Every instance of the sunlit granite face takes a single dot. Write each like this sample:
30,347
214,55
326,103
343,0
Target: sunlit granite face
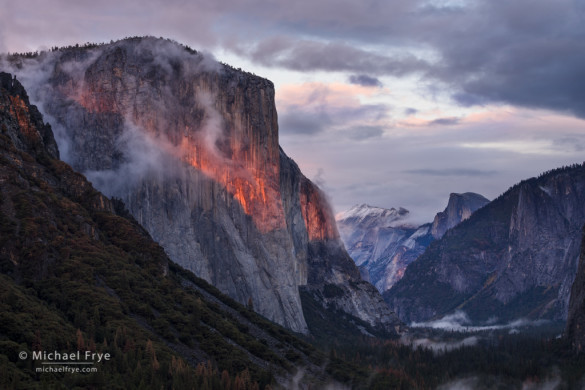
191,147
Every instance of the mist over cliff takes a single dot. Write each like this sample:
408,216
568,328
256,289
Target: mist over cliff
191,147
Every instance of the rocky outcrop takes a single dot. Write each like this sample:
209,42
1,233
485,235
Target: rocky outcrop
23,122
37,191
515,257
459,208
383,243
576,318
191,147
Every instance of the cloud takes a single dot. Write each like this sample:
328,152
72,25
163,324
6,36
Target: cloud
307,55
462,384
553,383
140,153
356,122
297,120
324,93
577,144
440,346
417,167
527,53
319,179
412,120
410,111
451,172
2,24
539,147
365,80
143,156
474,383
314,108
360,133
445,121
478,53
460,322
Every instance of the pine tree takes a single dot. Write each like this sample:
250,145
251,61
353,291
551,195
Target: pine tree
80,341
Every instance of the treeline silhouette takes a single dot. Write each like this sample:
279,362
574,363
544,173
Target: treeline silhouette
93,45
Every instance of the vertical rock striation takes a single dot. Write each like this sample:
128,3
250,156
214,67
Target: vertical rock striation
516,257
459,208
576,318
191,147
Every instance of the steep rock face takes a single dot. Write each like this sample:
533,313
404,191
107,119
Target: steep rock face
576,317
22,122
515,257
382,242
191,147
311,225
75,265
459,208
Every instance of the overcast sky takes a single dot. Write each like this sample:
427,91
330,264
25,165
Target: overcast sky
386,102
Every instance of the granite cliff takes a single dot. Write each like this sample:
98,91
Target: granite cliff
78,273
516,257
191,147
459,208
576,317
382,242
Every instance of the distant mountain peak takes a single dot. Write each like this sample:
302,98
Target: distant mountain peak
459,208
364,214
383,242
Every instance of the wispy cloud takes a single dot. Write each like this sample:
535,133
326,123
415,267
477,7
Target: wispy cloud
538,147
440,346
451,172
365,80
299,120
312,55
313,108
445,121
360,133
460,322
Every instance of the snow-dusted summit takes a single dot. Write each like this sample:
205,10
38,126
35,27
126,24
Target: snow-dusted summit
383,242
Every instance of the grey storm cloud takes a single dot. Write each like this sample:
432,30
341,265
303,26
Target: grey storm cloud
314,119
305,55
298,121
527,53
365,80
